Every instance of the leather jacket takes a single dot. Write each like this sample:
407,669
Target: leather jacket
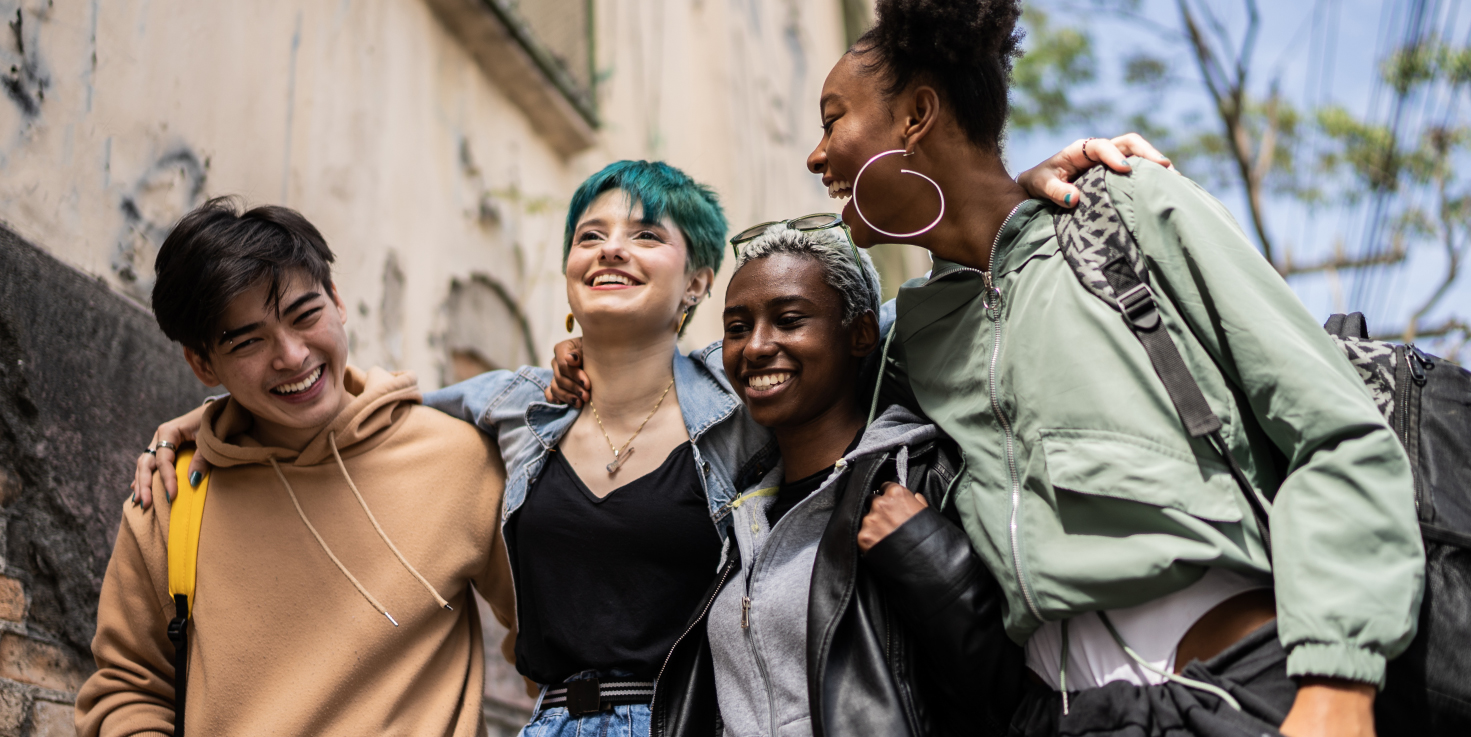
905,640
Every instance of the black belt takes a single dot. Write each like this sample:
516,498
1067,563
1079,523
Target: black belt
591,695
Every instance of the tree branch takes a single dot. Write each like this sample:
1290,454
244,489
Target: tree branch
1230,98
1448,239
1341,262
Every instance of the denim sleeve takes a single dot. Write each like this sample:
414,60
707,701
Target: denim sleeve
469,399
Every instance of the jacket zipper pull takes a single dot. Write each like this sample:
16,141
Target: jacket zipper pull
990,295
745,612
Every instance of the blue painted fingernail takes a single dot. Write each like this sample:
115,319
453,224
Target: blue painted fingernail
194,479
1067,199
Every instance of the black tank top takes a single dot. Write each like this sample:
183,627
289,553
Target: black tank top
609,584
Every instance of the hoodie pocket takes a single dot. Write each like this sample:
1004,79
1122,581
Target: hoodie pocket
1122,466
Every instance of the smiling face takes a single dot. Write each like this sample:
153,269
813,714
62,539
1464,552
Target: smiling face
858,122
624,274
285,367
786,350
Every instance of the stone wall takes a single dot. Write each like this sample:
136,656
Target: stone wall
85,376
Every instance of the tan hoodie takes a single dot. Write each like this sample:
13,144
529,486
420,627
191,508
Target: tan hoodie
282,640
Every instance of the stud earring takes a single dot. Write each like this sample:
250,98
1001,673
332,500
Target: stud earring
570,322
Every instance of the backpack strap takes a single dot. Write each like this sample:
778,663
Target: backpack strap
186,515
1107,260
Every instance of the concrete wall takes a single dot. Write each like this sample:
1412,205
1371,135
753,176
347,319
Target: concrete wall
84,377
442,190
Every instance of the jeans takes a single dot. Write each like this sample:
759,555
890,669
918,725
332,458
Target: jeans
624,720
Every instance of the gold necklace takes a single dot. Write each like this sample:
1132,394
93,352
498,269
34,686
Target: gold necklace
621,454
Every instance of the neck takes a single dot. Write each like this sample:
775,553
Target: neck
273,435
981,196
811,446
628,375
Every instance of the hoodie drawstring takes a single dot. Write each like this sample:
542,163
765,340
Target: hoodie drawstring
1182,680
332,439
1062,668
901,464
327,550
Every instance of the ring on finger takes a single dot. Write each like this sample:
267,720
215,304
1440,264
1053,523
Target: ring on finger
1085,148
166,444
150,451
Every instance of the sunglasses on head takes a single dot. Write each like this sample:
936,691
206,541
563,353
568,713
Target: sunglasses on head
817,221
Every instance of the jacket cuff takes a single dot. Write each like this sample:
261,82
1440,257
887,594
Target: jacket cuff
1327,660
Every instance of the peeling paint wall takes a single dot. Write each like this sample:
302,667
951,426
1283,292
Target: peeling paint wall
370,118
443,202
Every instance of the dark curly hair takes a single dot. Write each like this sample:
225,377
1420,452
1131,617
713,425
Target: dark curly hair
965,48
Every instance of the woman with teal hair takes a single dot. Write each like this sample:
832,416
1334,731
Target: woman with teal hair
615,518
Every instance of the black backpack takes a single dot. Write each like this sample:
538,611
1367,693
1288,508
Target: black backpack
1427,402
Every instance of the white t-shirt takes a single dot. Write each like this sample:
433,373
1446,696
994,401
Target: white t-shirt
1153,629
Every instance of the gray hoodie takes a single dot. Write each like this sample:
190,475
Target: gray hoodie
758,624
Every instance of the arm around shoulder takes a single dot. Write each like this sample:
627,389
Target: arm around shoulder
132,691
468,400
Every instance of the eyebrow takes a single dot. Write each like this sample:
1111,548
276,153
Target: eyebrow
829,97
234,333
785,299
230,335
303,299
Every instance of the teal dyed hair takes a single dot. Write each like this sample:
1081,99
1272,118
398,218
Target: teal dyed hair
662,190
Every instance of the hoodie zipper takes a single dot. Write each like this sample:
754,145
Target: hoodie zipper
992,302
750,636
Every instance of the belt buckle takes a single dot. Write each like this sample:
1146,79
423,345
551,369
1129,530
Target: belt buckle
584,697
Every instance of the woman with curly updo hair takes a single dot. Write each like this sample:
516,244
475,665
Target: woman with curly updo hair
1183,544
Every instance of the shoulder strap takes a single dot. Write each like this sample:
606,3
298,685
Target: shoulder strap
1107,260
186,515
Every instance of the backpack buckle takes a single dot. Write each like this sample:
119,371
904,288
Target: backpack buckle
176,630
1139,307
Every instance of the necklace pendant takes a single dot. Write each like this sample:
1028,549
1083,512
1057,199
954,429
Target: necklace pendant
618,459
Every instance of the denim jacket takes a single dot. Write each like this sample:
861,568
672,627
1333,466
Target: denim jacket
730,449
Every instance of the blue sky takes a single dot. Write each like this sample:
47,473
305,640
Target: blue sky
1316,51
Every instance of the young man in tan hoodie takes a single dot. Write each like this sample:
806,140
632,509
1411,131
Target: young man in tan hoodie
344,524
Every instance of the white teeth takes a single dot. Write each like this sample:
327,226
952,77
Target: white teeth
299,386
839,190
766,381
602,279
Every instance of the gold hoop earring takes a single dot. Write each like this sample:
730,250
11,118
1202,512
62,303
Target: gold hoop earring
570,322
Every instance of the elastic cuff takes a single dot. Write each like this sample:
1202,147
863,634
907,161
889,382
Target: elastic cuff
1336,661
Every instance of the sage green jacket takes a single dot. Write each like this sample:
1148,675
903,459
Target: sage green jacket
1083,490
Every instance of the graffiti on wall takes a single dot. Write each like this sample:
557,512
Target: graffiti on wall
166,191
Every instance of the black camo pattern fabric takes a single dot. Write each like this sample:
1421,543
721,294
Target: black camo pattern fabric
1375,361
1090,233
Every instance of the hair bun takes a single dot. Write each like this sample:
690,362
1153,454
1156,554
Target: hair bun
949,31
965,47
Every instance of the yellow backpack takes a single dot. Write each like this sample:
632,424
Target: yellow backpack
186,515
